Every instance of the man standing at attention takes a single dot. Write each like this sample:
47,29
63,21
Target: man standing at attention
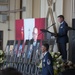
47,63
62,37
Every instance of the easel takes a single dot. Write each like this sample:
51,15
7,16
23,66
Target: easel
50,12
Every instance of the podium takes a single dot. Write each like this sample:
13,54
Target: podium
50,38
72,42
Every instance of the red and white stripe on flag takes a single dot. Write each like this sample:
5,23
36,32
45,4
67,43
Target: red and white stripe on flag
29,24
19,29
24,28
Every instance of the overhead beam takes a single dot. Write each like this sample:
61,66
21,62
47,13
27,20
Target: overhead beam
13,11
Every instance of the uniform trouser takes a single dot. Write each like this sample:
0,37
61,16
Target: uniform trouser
63,51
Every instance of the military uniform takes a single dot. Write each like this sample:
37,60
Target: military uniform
63,39
47,64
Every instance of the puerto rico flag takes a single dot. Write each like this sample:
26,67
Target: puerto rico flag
24,28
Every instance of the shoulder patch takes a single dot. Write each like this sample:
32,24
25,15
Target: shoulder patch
48,62
61,27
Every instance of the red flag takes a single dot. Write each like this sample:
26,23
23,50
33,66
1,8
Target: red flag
24,28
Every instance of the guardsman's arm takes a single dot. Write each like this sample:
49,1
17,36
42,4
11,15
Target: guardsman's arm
50,66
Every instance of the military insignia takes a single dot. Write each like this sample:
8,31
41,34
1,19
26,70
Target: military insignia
43,60
61,27
48,62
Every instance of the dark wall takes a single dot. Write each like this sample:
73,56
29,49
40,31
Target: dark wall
72,43
1,40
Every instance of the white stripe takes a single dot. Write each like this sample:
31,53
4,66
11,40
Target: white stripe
29,24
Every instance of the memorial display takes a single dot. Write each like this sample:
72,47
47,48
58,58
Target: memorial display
16,47
19,50
9,47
